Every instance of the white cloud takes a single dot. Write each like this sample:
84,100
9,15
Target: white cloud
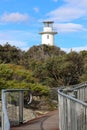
70,10
65,14
36,9
14,17
78,3
16,34
22,39
77,49
19,44
69,27
55,0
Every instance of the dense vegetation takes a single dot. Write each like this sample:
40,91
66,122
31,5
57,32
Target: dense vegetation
41,67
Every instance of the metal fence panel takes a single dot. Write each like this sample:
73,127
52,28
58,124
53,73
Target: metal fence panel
73,108
13,107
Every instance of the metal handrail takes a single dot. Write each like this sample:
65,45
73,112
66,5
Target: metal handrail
72,98
73,108
5,118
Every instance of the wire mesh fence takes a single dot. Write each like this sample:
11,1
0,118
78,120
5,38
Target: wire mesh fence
22,105
14,106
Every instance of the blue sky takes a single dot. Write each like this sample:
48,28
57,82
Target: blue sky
21,20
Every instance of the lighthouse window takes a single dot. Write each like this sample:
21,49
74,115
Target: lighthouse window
47,36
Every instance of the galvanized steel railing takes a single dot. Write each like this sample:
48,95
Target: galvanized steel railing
5,120
73,108
13,107
20,106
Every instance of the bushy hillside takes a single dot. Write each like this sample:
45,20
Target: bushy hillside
41,68
41,65
15,76
43,52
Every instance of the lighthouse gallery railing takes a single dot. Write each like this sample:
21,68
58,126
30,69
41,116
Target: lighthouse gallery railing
73,108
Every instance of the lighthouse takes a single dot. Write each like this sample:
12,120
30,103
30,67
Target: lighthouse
48,33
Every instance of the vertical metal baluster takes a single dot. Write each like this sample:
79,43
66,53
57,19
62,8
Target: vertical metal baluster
21,104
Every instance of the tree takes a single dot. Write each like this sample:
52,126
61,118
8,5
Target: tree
83,77
49,72
10,54
75,66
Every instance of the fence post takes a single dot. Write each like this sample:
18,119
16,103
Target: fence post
21,104
75,93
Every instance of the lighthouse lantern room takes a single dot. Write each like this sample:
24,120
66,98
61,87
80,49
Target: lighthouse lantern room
48,33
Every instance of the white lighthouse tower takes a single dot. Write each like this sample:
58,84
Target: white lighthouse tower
48,33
